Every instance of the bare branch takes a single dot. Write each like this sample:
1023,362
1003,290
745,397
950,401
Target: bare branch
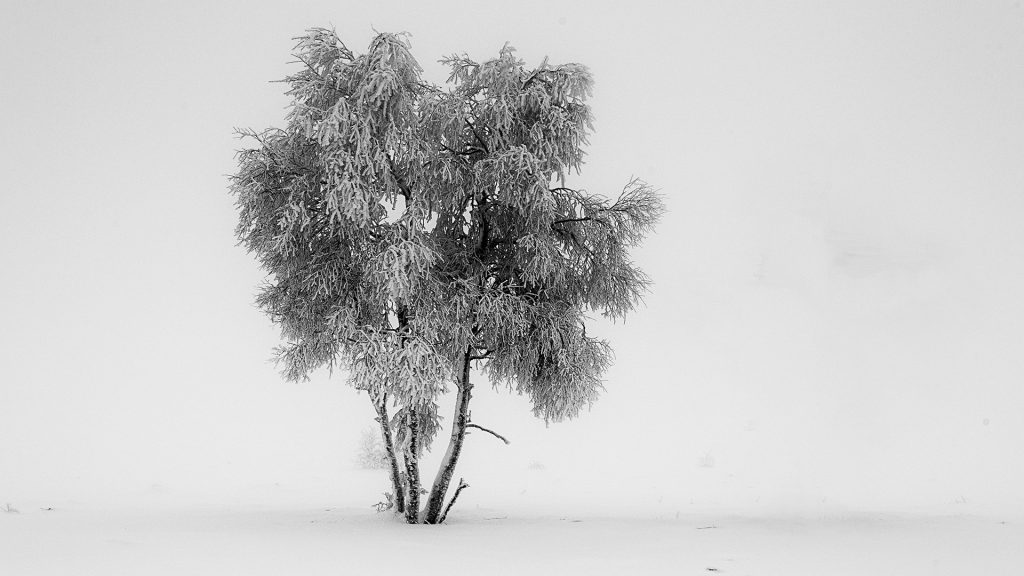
462,485
491,432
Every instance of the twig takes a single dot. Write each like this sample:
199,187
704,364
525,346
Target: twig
458,490
492,432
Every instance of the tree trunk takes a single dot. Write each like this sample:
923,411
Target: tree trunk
435,503
397,490
412,469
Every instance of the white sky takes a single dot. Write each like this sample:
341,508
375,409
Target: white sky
836,318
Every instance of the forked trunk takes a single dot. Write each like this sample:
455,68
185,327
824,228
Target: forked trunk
434,512
397,490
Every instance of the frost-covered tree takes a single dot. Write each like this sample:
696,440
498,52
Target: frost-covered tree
413,233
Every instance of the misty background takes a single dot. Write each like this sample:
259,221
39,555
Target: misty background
835,323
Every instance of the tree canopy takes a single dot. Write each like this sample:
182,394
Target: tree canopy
411,232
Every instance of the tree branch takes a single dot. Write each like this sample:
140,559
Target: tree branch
583,219
469,151
402,186
487,355
472,129
564,220
491,432
462,485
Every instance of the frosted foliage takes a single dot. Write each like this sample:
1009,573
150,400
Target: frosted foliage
428,425
488,256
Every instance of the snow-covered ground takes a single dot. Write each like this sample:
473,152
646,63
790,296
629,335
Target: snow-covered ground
288,530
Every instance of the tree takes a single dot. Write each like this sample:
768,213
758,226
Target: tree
413,234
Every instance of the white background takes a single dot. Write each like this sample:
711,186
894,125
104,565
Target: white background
835,323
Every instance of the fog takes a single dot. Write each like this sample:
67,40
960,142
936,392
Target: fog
835,324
